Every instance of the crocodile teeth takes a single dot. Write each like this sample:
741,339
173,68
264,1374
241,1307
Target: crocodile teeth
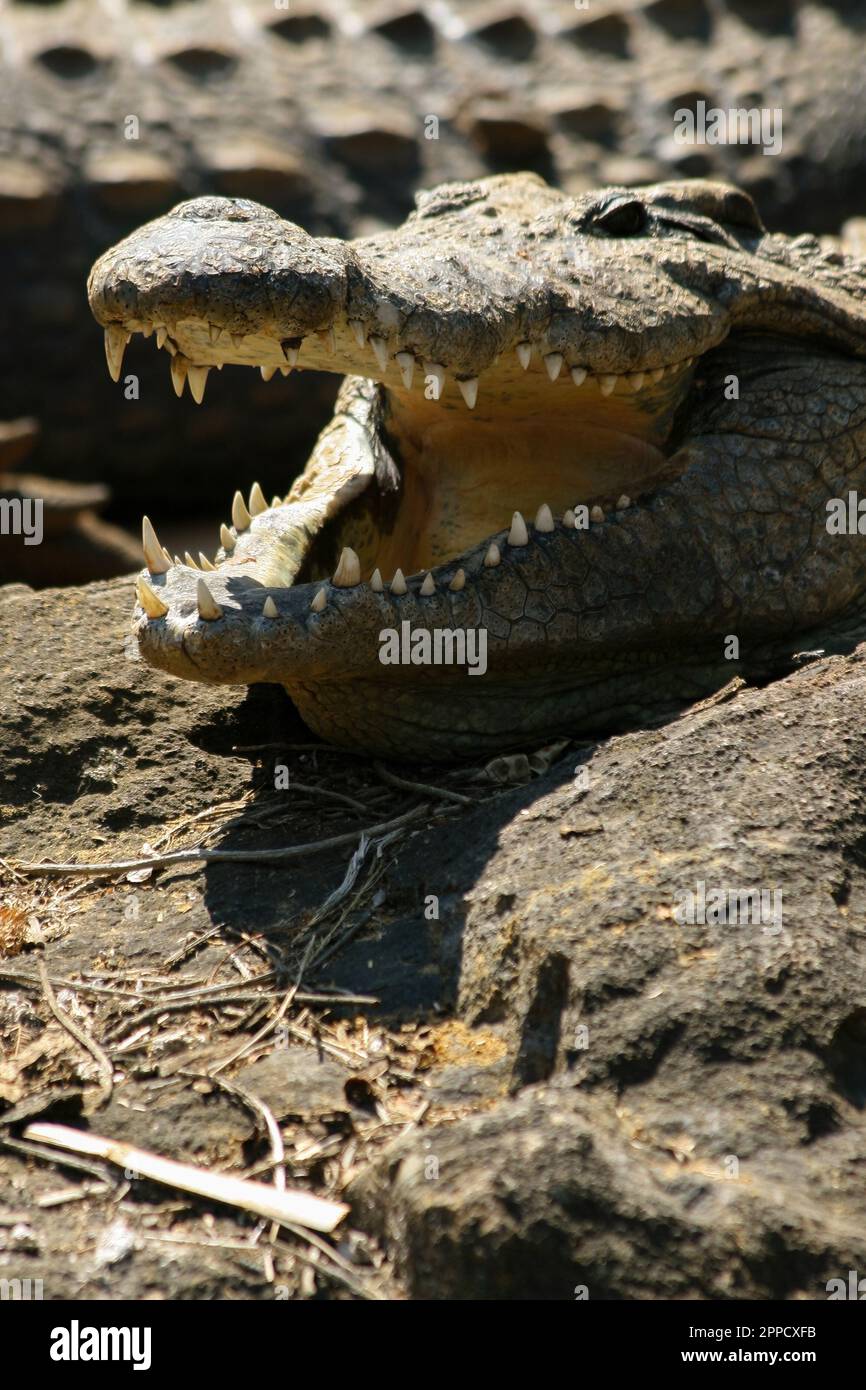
154,557
267,372
188,560
406,362
148,600
270,608
578,375
568,517
469,391
290,353
326,336
258,504
205,563
116,339
437,371
227,539
197,382
208,608
240,516
518,535
458,581
275,502
146,330
348,571
606,384
178,373
285,371
656,375
166,557
398,583
636,380
493,556
688,362
553,363
358,329
319,601
524,354
214,333
161,335
428,587
623,503
544,518
596,514
376,582
380,349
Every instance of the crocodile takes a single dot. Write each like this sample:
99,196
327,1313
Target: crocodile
604,431
112,111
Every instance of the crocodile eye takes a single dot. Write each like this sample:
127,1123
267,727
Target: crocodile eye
624,218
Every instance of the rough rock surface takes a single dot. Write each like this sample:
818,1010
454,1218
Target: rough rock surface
636,1107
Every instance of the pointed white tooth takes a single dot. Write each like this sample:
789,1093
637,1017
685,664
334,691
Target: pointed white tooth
208,608
518,535
578,375
687,362
458,581
398,583
524,354
553,363
167,557
214,333
376,582
116,338
437,371
606,384
493,556
148,600
380,348
656,375
428,587
290,353
267,372
197,382
568,517
635,380
406,362
348,571
357,328
544,518
188,560
237,339
205,563
161,335
623,503
146,330
596,514
178,560
326,336
276,502
285,371
270,608
469,391
178,373
240,516
258,503
228,540
319,601
153,553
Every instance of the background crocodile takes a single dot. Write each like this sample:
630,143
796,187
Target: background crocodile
668,394
321,111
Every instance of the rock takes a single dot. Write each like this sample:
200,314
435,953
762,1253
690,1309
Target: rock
621,1103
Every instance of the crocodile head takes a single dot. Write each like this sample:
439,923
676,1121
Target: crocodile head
601,431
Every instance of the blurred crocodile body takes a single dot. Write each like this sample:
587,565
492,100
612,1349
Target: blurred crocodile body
111,111
600,433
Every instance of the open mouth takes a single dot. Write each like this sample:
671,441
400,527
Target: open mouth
426,479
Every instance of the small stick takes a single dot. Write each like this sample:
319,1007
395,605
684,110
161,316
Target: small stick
443,793
224,856
106,1070
289,1208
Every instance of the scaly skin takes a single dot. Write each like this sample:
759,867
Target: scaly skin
321,111
601,336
